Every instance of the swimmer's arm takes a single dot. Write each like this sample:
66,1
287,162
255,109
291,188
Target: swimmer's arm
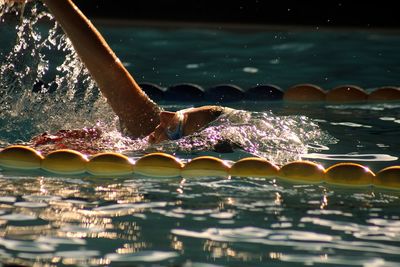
138,113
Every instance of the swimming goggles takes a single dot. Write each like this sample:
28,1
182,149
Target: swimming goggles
177,133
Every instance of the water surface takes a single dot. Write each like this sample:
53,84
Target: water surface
59,220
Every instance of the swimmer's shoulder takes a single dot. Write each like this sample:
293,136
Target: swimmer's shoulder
219,110
227,111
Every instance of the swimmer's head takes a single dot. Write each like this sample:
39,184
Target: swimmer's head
174,125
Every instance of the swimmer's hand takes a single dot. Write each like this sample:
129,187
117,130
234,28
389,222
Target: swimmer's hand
226,146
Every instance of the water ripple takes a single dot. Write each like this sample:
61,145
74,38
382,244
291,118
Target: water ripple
26,246
315,241
143,256
351,157
18,217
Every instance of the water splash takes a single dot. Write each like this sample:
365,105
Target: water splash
44,87
280,139
37,93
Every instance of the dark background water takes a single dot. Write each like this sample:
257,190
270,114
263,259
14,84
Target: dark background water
247,58
288,12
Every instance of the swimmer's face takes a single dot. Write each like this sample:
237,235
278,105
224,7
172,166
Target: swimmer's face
192,120
168,121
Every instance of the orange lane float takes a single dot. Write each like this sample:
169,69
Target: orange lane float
346,93
388,93
304,93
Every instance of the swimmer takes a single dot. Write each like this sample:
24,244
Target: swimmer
138,114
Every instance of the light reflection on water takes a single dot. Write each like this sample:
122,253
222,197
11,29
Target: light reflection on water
201,222
102,221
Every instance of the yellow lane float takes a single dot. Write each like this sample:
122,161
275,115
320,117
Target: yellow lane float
349,174
158,165
113,164
388,177
304,171
205,166
71,162
20,157
65,161
253,167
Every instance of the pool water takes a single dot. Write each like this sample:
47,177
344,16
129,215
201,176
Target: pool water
58,220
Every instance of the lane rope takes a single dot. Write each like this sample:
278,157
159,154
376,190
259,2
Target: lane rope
299,93
162,165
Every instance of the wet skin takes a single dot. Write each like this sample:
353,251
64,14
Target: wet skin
138,113
193,120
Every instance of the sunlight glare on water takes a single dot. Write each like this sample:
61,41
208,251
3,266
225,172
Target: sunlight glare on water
82,220
87,220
